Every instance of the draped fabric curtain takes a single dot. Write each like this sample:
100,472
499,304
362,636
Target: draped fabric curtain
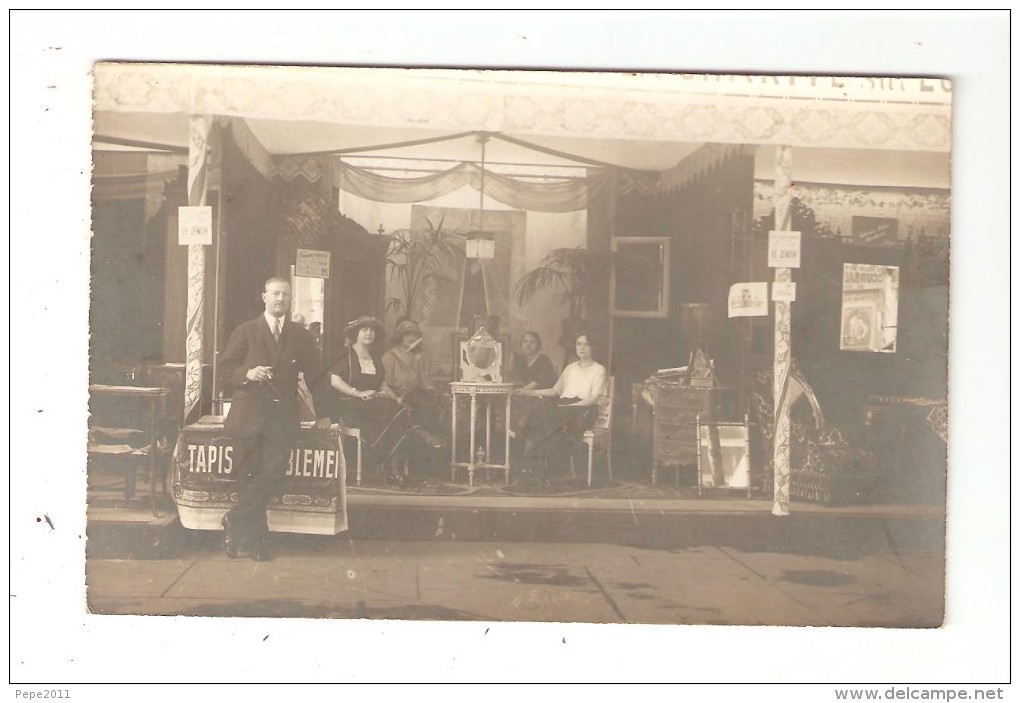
129,187
561,196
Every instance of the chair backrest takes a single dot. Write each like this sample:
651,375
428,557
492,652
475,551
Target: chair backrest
605,416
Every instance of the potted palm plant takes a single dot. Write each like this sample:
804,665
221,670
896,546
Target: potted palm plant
417,261
572,273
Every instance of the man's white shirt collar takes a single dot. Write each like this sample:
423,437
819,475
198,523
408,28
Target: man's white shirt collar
271,321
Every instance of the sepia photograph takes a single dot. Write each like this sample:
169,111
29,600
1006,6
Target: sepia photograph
470,348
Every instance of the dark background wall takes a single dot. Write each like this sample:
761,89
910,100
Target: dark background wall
701,221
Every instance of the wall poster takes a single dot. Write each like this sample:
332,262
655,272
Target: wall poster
870,302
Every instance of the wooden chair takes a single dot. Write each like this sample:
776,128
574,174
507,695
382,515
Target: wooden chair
600,436
355,432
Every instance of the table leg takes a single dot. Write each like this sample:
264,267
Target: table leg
506,451
153,463
488,434
453,438
471,456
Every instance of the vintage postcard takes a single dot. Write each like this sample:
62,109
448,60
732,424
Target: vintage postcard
457,346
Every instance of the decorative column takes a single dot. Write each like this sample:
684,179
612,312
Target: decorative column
199,128
781,353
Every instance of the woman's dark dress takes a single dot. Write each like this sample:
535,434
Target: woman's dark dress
381,420
541,373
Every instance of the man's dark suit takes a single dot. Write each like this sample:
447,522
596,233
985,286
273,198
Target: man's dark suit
264,417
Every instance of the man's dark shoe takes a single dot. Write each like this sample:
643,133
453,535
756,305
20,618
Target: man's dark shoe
231,540
260,552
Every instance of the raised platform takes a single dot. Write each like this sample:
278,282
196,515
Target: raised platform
618,513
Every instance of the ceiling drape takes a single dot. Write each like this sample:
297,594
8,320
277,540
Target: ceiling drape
562,195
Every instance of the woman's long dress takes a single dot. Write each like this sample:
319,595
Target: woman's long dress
382,421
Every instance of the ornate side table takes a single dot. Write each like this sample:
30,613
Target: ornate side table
479,456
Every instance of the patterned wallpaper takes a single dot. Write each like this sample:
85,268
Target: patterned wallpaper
452,106
918,212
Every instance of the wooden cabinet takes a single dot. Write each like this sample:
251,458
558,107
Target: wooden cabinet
675,410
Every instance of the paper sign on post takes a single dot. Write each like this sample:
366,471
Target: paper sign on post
194,224
784,250
784,291
749,299
312,263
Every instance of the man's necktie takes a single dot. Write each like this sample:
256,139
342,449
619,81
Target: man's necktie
276,330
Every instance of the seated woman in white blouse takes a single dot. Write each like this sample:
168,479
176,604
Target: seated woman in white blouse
554,428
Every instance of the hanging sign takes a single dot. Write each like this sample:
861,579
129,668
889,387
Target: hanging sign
194,224
784,291
312,263
784,250
749,299
480,249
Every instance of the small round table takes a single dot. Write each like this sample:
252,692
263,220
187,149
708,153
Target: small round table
490,391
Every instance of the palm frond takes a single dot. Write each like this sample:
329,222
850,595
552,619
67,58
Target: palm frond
541,278
569,269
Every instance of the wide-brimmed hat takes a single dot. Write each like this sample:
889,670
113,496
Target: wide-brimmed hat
405,327
352,327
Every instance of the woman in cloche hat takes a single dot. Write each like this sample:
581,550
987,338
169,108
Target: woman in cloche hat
406,375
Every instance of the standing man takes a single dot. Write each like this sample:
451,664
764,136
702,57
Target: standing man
261,364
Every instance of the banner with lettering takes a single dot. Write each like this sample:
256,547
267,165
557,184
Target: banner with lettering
312,498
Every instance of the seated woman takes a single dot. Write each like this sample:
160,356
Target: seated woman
405,374
531,368
365,401
553,429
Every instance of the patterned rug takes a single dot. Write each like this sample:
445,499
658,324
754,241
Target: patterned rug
525,486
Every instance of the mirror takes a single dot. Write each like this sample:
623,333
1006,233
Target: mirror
870,305
308,304
723,456
640,279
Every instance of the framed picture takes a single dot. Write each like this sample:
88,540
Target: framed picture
639,284
873,230
868,320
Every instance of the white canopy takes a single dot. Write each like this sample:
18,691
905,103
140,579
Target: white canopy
639,121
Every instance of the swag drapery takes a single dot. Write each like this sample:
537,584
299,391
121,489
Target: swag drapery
559,196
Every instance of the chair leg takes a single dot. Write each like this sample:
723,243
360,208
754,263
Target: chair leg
609,456
591,460
359,460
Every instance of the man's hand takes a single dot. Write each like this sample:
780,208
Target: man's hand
323,423
260,374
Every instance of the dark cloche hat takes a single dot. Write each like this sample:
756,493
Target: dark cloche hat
352,327
405,327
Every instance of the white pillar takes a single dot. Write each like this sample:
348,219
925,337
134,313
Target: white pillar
199,128
782,351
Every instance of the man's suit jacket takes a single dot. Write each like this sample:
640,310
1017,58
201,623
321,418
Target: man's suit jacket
253,404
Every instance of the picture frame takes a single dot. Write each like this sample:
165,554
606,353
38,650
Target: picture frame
724,456
639,281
